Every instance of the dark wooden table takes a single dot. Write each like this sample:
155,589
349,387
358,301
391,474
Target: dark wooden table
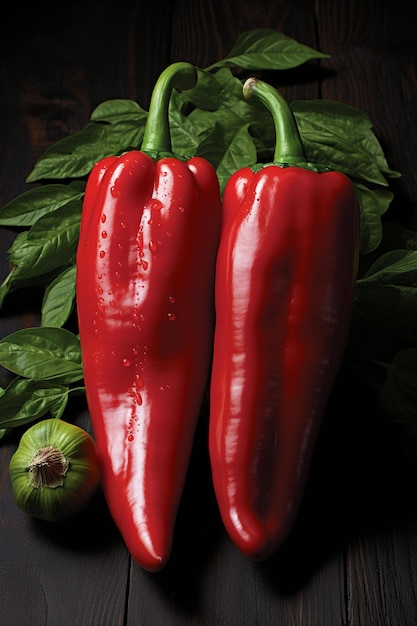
351,559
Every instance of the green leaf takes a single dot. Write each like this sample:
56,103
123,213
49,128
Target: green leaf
117,111
233,114
58,301
76,155
265,49
43,354
204,95
373,204
227,158
385,306
384,317
6,285
58,407
184,134
26,209
50,244
397,267
212,147
220,136
341,137
27,400
241,152
115,126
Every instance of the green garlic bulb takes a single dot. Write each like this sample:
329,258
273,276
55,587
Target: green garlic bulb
54,471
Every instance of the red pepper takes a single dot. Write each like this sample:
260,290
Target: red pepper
145,292
285,278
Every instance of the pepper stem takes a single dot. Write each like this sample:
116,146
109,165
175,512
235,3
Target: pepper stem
288,145
157,137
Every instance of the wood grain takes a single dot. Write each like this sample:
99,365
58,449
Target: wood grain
351,558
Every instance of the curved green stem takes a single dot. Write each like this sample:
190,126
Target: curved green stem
288,145
157,137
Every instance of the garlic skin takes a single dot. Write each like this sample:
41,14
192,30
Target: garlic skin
54,471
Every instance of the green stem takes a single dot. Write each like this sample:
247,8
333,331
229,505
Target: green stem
157,137
288,145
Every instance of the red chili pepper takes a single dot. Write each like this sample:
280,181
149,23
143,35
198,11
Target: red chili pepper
145,293
285,277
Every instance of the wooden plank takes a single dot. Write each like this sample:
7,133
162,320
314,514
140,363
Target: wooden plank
49,574
350,557
381,576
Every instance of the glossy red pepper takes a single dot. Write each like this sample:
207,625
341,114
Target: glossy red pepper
285,279
145,295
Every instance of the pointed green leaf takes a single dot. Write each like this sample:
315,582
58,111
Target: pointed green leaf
42,354
241,152
26,400
49,245
76,155
264,49
373,204
117,111
341,137
26,209
58,301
